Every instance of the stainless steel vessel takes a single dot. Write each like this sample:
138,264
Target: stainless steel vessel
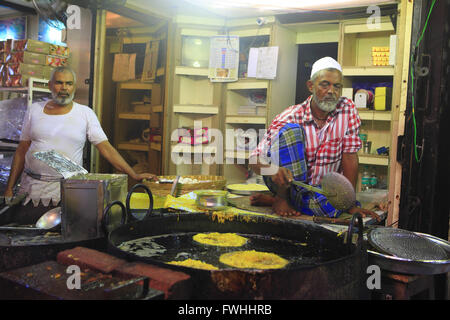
83,200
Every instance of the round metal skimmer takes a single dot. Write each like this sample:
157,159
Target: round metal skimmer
405,244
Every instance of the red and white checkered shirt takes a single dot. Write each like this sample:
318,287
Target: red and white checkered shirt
325,146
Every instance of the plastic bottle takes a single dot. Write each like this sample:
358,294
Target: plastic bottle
365,180
373,181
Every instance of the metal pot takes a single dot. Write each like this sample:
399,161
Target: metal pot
337,272
211,199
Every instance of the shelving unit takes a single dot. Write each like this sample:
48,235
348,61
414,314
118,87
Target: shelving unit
196,102
30,89
279,94
131,122
355,55
216,105
249,126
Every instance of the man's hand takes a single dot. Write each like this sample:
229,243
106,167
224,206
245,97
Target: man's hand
8,193
148,176
364,213
282,178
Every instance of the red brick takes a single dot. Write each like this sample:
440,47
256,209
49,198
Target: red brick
89,258
176,285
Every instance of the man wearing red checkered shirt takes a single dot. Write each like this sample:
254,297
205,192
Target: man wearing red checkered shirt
319,136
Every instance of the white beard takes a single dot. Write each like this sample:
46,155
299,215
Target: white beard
63,100
325,105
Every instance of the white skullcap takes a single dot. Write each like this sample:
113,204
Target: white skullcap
325,63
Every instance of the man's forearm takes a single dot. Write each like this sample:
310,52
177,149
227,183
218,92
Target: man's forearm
350,167
114,157
17,165
261,168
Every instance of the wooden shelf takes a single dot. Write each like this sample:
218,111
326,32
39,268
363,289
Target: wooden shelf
155,146
184,148
157,139
366,114
363,27
191,71
160,72
373,159
368,71
244,119
237,154
248,84
157,109
195,109
134,116
133,146
135,85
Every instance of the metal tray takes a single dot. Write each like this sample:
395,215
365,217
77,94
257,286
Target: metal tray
246,192
402,265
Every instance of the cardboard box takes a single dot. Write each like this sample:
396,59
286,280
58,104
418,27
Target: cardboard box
57,50
361,100
28,57
33,70
383,98
31,45
348,93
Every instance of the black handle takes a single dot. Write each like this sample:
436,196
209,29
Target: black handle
356,216
106,212
136,186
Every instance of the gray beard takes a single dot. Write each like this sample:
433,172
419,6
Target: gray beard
61,100
326,106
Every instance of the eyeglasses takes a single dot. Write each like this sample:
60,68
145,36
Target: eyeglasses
326,85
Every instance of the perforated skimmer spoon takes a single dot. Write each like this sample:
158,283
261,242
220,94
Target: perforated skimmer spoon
336,187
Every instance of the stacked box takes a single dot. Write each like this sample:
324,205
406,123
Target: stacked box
27,58
5,50
380,56
193,136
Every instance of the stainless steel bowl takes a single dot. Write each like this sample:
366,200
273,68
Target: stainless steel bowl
211,199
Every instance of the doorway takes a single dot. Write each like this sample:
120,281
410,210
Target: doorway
307,55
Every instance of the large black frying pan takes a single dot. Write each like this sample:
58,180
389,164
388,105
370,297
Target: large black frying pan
329,257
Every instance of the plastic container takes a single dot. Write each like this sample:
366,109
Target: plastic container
365,181
372,196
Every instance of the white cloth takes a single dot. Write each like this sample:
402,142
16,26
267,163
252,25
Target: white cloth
325,63
66,134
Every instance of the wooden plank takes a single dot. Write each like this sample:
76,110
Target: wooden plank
373,160
198,32
155,146
237,154
134,116
133,146
157,109
399,103
245,119
191,71
245,85
266,31
368,71
374,115
182,148
357,28
196,109
136,85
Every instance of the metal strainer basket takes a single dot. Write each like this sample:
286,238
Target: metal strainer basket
406,244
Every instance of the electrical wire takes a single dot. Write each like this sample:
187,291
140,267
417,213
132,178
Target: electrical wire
412,83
